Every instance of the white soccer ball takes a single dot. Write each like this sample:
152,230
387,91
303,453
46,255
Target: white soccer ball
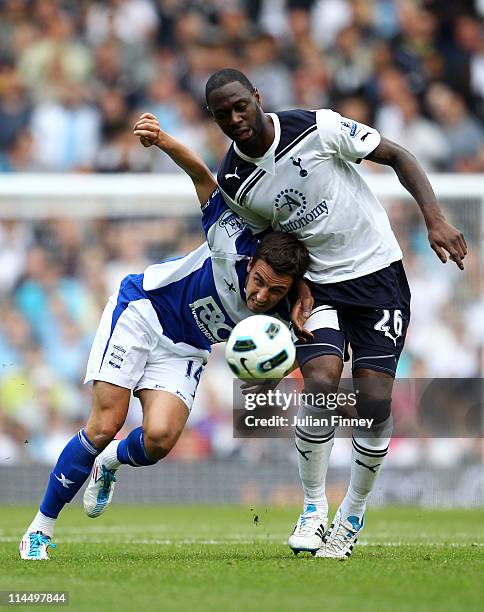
260,347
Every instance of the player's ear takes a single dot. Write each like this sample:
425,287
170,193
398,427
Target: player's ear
256,95
250,264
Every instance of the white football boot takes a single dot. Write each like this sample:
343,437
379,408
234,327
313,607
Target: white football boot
308,532
341,537
99,491
33,546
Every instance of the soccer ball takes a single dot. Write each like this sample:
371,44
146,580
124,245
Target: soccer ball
260,347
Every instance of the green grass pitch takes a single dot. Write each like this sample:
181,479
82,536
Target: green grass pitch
227,558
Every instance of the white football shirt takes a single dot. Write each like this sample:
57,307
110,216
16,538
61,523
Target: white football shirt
306,184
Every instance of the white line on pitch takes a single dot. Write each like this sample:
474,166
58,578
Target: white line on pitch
214,542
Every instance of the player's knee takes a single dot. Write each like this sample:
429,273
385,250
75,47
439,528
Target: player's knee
109,409
377,410
101,433
102,427
373,385
320,378
159,441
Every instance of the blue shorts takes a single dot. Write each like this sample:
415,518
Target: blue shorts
370,314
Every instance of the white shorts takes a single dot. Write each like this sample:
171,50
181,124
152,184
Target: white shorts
131,351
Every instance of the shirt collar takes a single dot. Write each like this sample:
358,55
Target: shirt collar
268,161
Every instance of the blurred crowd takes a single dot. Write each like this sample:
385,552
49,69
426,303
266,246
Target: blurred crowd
56,275
74,75
73,78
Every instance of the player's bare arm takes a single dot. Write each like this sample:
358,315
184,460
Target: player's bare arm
147,128
442,236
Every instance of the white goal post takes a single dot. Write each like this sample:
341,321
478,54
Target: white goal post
34,196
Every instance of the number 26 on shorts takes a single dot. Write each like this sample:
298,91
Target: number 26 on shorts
384,325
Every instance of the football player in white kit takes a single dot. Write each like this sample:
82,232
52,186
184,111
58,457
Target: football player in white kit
154,339
294,171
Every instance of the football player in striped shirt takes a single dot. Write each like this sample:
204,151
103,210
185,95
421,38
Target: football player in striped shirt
295,171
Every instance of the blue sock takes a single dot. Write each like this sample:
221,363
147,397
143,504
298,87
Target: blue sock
69,474
131,450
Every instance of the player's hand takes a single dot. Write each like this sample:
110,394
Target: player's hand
148,130
301,310
444,238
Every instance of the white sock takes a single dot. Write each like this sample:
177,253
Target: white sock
314,444
42,523
110,455
369,452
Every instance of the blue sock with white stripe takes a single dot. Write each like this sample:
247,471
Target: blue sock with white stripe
131,450
69,474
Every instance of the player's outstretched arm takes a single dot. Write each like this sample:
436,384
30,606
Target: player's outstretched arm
442,236
150,134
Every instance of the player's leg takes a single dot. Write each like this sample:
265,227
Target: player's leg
369,449
377,337
116,362
165,413
110,404
376,311
164,417
321,363
313,445
370,444
109,409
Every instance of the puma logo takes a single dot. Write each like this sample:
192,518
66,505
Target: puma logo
372,468
234,175
303,453
365,136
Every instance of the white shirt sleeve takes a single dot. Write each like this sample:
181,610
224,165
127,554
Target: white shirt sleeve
344,137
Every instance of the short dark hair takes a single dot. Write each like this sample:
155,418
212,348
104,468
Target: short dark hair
225,76
284,253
